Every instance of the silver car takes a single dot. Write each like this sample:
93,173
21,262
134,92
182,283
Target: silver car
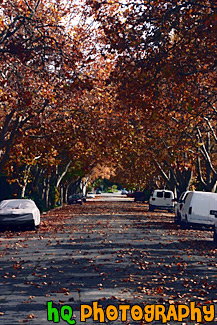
19,212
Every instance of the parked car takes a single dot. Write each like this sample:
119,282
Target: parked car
98,191
162,199
130,194
179,205
124,192
200,209
90,195
76,199
19,212
140,196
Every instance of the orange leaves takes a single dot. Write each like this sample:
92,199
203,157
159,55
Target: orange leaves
169,77
31,316
159,290
108,92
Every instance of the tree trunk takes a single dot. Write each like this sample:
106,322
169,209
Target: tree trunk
47,192
66,190
61,195
177,180
60,177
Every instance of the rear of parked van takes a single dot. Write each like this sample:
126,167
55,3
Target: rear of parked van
162,199
200,209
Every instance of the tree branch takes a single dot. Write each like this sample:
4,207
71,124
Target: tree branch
204,152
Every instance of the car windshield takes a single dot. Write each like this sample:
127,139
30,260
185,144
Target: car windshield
186,197
15,204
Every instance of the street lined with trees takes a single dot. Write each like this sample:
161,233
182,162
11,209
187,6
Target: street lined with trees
111,252
129,87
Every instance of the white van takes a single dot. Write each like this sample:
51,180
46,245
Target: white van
200,209
162,199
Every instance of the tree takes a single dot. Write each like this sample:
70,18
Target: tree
165,71
39,60
207,174
130,86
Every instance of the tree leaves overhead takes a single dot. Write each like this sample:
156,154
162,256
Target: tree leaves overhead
116,83
165,70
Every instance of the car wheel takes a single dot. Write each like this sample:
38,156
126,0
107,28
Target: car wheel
177,220
31,227
151,209
183,225
186,222
215,236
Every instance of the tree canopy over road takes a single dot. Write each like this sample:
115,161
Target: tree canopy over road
129,87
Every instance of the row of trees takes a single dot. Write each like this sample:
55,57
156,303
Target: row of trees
48,89
165,78
107,89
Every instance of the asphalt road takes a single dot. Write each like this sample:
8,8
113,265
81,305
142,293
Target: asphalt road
108,252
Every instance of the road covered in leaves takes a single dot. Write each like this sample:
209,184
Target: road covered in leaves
111,252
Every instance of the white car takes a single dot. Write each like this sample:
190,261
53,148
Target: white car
162,199
19,212
91,195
